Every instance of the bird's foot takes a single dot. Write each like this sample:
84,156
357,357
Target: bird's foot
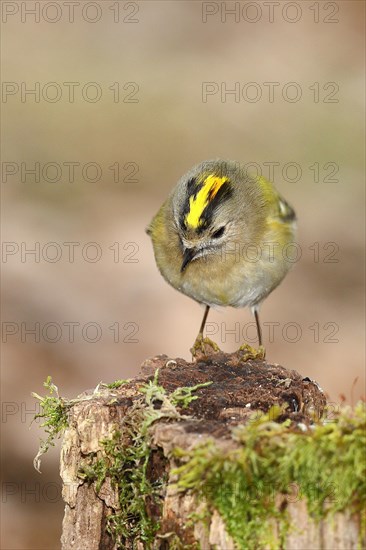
252,353
203,346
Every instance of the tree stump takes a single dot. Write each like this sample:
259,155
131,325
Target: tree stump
145,464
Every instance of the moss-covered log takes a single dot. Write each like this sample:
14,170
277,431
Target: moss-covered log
219,453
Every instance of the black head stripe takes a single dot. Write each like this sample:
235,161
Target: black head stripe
191,190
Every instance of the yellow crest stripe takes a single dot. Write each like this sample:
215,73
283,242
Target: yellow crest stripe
198,202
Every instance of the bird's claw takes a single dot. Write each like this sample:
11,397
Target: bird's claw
203,346
252,353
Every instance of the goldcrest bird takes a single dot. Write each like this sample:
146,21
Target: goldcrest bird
221,238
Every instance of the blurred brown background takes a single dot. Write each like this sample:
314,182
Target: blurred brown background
158,55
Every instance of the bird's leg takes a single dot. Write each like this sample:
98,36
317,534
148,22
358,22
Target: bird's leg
249,351
203,324
259,328
199,344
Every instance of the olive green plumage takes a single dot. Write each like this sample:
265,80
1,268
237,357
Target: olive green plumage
222,236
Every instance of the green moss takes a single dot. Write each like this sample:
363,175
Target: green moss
324,464
115,385
175,542
125,460
125,467
54,411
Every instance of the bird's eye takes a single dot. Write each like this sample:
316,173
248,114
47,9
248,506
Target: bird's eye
219,233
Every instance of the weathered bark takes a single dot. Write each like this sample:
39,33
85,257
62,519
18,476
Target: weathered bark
238,389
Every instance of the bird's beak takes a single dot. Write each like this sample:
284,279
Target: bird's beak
188,255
